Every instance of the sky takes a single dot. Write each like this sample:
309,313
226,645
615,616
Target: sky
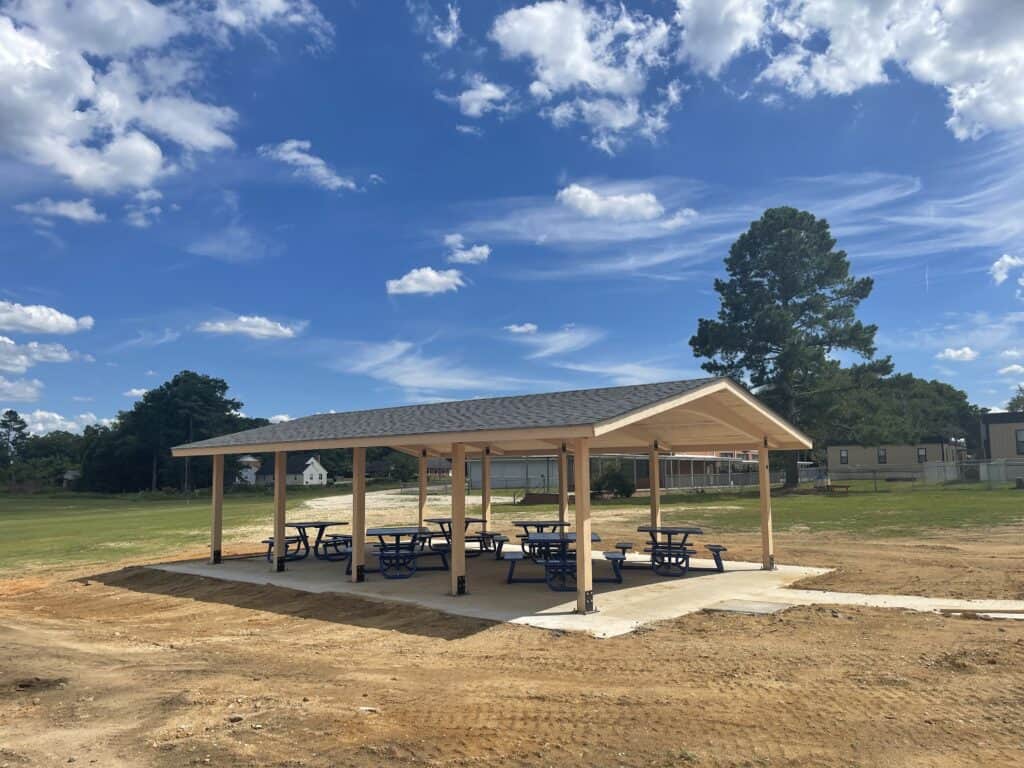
344,205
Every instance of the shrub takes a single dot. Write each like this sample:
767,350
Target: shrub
615,482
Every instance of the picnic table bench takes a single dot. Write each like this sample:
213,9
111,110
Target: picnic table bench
554,553
484,540
836,490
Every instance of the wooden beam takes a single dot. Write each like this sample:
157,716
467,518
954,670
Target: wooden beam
563,481
457,561
492,436
280,500
654,473
482,447
422,477
584,561
724,415
217,521
358,514
765,489
485,487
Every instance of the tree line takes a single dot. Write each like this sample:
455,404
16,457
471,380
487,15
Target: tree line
788,308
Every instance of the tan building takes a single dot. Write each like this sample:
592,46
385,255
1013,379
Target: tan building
890,455
1003,435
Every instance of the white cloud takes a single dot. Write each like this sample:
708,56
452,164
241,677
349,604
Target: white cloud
20,390
279,418
642,206
234,244
959,355
18,358
972,50
713,33
36,318
253,326
143,209
147,339
569,338
481,97
295,152
80,211
446,34
521,328
681,218
426,280
1012,370
1012,354
1001,267
624,374
43,422
590,64
469,130
101,93
402,364
460,254
136,392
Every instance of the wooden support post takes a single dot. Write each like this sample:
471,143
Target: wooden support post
358,514
485,487
654,472
280,500
765,488
217,521
584,562
423,486
563,482
457,561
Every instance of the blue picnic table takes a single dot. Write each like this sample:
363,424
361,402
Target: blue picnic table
320,526
670,554
554,552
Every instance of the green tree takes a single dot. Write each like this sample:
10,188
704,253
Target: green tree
1017,401
789,302
135,453
13,434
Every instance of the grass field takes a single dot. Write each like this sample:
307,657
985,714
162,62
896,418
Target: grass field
70,528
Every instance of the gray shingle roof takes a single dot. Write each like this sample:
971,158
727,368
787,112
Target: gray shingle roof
553,409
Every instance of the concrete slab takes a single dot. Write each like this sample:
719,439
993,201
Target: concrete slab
752,607
622,608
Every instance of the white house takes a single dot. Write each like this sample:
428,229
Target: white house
300,470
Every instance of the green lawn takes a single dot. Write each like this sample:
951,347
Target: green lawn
897,509
66,528
70,528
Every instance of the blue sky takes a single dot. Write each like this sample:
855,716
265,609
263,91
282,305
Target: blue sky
349,205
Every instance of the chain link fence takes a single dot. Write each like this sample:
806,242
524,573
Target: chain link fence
995,473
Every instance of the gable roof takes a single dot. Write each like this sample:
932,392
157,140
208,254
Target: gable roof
523,420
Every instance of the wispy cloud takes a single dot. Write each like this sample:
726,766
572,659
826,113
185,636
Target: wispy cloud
404,364
146,339
297,154
569,338
622,374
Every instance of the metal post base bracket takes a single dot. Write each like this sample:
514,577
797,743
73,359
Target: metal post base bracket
588,602
216,557
460,586
280,564
360,573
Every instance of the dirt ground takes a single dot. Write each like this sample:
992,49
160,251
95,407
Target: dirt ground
125,666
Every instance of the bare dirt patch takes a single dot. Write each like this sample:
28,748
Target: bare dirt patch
143,668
